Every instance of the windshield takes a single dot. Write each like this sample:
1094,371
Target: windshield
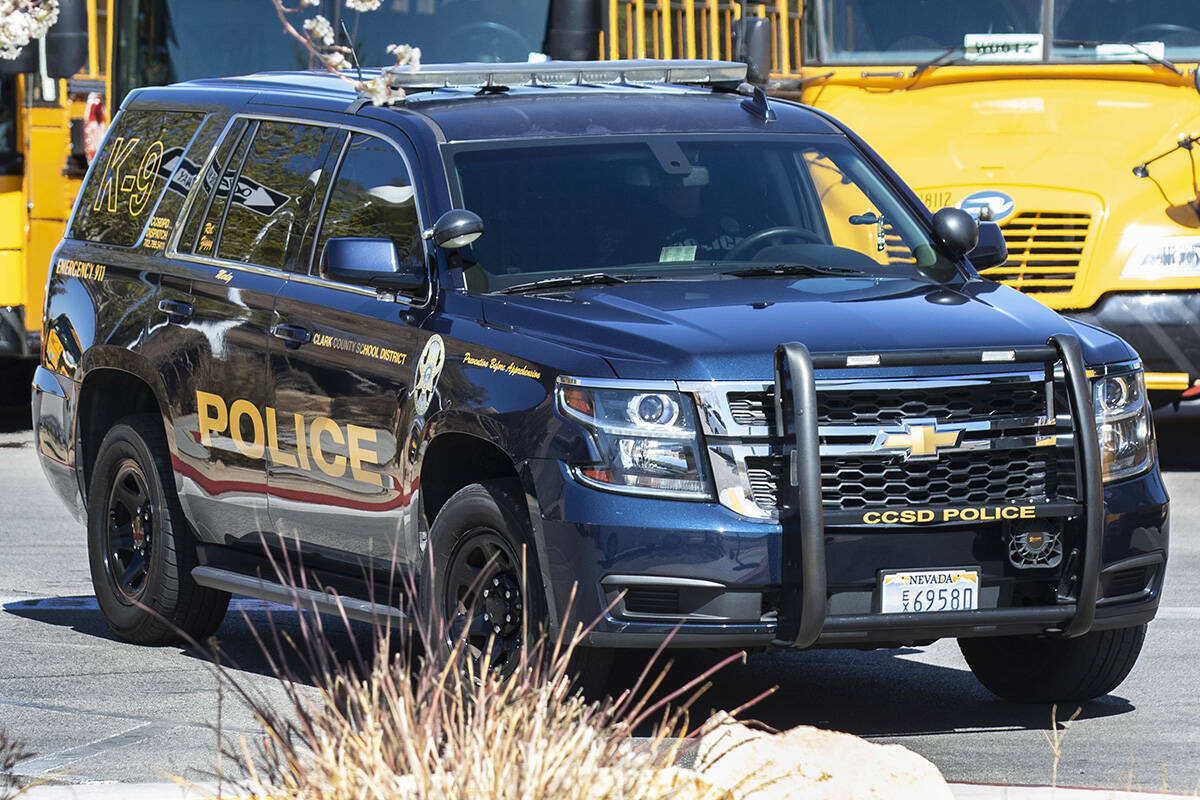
666,206
165,41
959,31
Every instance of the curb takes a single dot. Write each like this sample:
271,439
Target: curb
173,791
992,791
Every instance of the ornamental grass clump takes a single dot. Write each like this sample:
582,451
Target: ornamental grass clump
422,720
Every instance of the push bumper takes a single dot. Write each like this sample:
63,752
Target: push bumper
1164,328
645,571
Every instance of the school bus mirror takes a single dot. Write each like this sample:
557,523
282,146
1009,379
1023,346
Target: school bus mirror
67,41
752,45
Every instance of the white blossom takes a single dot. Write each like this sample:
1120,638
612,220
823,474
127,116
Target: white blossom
21,21
363,5
406,54
335,60
319,29
309,3
380,92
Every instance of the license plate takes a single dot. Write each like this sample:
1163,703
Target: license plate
929,591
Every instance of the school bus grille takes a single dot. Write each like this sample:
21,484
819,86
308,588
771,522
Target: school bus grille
1044,251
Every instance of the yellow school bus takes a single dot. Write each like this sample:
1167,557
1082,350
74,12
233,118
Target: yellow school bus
55,99
1068,122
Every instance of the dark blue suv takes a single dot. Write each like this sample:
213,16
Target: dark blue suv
625,341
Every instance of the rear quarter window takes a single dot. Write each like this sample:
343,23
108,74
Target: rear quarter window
140,157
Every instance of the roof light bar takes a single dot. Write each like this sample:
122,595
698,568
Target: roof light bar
559,73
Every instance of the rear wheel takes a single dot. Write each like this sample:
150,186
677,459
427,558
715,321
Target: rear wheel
140,549
1040,669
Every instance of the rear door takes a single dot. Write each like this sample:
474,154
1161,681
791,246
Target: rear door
341,366
214,315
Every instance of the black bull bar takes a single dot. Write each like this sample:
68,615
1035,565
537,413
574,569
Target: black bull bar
802,607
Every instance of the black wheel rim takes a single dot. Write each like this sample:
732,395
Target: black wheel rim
130,524
485,601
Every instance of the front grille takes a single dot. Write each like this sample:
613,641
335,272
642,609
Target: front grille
1044,251
945,403
968,478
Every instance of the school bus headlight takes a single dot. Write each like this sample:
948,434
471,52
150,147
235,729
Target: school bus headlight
1123,424
646,441
1165,257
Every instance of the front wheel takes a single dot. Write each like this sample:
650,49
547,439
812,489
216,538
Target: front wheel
140,549
1041,669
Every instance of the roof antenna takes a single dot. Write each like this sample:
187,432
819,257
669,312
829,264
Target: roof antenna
350,45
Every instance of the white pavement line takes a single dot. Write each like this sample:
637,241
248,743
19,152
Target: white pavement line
122,791
987,791
1178,612
46,766
88,603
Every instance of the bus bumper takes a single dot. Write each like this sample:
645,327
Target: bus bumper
1164,328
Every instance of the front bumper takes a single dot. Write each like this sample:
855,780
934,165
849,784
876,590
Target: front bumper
1164,328
723,571
700,575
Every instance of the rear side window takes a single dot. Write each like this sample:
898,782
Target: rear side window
373,196
269,193
140,157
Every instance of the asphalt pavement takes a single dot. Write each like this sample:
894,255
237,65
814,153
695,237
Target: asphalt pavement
95,710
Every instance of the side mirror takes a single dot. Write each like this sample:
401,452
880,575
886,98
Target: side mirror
371,262
456,228
957,231
991,250
67,41
752,45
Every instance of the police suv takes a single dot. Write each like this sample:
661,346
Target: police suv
614,341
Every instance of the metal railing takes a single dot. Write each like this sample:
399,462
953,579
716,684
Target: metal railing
698,29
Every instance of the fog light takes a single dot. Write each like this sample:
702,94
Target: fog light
1035,548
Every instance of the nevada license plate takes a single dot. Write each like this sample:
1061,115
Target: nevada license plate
927,591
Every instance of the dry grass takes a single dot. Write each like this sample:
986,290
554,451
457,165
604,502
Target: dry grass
413,721
12,753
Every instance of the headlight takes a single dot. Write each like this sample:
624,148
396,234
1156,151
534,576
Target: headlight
1123,423
1166,257
646,440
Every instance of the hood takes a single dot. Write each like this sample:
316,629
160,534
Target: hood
729,329
1028,131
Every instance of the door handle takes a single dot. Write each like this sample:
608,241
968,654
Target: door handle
292,334
177,311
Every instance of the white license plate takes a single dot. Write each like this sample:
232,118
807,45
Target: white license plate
929,591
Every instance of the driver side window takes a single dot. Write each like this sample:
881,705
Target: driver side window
373,196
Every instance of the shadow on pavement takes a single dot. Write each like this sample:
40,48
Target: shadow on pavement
875,694
238,639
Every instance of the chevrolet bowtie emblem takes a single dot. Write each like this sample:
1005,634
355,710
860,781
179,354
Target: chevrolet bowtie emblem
922,441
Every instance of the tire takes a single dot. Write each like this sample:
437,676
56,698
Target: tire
1038,669
480,540
140,548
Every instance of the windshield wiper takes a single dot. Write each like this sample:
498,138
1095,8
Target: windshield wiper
792,269
560,281
1143,51
938,60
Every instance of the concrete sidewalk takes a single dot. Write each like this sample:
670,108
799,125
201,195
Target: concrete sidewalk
171,791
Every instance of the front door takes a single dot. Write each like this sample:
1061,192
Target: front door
215,306
341,365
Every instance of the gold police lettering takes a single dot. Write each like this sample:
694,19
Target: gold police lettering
496,365
137,184
359,348
926,516
320,442
85,270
